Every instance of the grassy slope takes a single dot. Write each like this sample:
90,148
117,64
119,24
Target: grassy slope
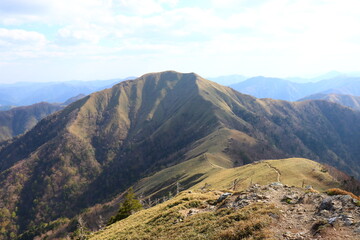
169,220
293,172
159,222
201,172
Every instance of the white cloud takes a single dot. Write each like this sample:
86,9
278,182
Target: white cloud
21,37
138,7
80,33
284,30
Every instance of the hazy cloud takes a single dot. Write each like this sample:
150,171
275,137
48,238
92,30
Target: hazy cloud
197,35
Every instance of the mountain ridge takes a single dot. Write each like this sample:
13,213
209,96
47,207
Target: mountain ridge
342,99
277,88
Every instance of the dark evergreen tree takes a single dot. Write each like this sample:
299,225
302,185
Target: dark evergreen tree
128,207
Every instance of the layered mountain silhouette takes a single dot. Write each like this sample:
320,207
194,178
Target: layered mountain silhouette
277,88
345,100
27,93
228,79
103,143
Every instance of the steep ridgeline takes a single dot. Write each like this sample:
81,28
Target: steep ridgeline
100,145
345,100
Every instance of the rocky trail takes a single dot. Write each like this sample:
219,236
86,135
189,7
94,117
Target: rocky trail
305,213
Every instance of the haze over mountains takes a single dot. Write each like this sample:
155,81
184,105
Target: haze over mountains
345,100
276,88
100,145
27,93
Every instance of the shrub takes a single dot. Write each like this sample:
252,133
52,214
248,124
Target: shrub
128,207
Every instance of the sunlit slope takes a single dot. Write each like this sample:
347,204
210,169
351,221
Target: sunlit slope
206,171
297,172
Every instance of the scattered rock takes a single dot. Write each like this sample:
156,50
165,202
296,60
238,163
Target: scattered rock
276,184
332,220
308,215
223,197
326,204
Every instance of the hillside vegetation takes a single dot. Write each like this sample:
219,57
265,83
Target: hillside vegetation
271,211
301,173
178,127
20,119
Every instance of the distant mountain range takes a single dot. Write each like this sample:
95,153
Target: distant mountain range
27,93
156,132
276,88
236,78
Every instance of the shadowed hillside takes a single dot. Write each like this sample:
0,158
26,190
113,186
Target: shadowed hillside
345,100
100,145
17,120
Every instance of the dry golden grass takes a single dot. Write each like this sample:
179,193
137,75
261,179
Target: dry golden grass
338,191
297,172
216,174
171,220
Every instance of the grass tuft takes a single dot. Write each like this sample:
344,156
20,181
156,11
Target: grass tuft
338,191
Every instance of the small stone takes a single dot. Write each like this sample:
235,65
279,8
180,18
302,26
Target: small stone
222,197
327,204
276,184
332,220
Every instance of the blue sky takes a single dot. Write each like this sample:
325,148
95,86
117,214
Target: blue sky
52,40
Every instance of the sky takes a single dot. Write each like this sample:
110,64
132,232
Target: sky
52,40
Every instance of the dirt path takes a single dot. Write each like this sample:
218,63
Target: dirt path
212,164
276,170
